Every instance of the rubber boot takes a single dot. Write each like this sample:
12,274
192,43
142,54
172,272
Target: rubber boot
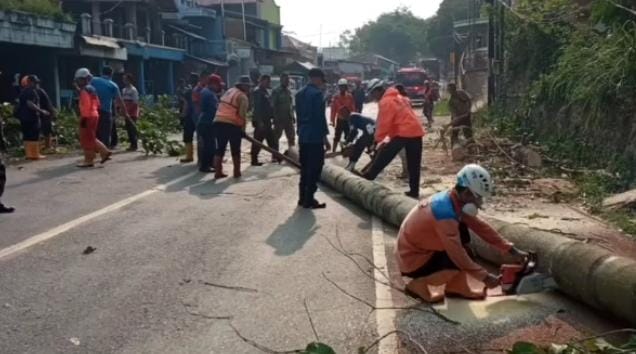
32,149
218,168
28,154
236,161
430,288
189,147
460,285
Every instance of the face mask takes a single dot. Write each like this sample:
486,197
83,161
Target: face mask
470,209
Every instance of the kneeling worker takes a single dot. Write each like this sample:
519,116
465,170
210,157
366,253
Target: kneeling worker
357,124
433,240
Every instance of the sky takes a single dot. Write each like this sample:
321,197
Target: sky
304,18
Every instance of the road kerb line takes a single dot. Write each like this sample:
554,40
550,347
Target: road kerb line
385,319
56,231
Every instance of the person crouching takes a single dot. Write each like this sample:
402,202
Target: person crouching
432,246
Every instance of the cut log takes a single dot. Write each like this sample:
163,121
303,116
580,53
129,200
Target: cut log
620,201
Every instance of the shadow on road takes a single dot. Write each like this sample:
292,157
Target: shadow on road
290,236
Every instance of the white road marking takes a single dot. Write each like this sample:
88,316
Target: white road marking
56,231
385,319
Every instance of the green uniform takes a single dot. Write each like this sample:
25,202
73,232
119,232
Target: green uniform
283,104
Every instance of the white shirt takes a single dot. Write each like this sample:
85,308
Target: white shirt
130,94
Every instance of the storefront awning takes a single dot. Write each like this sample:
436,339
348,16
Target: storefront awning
187,33
210,61
152,51
102,47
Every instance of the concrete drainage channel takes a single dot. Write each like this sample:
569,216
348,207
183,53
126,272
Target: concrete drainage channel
584,272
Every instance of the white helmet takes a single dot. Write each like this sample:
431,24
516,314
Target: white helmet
476,179
343,82
83,73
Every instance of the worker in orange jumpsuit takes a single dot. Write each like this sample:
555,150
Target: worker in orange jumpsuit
344,99
432,246
89,117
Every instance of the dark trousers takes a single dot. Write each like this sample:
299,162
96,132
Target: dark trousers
312,158
428,111
3,142
440,260
131,129
30,129
227,133
465,126
3,177
262,132
188,130
207,144
363,142
284,126
387,153
114,137
342,127
105,128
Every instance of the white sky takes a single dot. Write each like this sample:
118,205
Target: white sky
305,17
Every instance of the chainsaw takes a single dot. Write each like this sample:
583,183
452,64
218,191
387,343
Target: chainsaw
521,279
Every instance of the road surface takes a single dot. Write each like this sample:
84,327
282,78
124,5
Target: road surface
185,264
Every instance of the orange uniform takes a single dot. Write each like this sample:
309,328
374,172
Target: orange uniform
89,117
340,101
396,118
433,226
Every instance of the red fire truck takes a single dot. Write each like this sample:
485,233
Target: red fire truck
413,81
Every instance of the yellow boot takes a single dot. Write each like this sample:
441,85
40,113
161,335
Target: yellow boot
189,147
463,285
431,288
36,150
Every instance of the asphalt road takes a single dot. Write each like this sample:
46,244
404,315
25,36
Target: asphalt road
176,267
186,264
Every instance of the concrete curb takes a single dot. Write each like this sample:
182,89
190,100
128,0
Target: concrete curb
584,272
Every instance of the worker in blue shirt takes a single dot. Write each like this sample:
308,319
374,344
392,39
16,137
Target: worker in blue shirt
205,125
312,138
108,93
361,135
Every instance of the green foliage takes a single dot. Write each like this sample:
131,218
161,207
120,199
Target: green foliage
397,35
569,82
156,124
441,108
46,8
318,348
440,27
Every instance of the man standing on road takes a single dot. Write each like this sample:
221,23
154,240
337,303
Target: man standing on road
131,101
432,246
460,104
262,118
312,138
205,126
431,96
283,113
398,128
29,112
188,119
359,97
108,93
343,99
89,120
229,124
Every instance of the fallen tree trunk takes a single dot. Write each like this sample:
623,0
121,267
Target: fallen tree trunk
620,201
584,272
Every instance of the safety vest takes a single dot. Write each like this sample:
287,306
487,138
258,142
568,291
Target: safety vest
228,111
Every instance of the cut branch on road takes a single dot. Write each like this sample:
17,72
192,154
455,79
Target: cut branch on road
229,287
261,347
417,344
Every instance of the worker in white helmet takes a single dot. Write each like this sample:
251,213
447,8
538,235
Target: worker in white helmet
432,246
339,101
89,118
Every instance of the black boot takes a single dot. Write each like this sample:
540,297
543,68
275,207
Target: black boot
6,210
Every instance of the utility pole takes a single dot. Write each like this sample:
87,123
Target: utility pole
244,22
491,54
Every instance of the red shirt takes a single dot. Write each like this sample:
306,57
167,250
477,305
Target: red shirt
89,103
340,101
